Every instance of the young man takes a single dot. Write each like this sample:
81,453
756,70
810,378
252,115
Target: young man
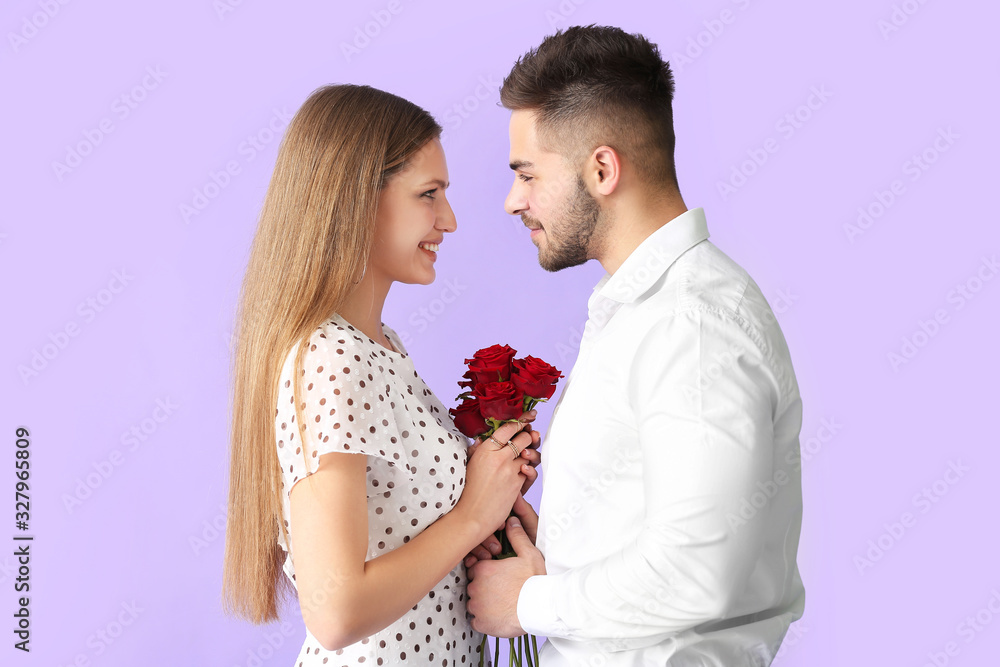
670,515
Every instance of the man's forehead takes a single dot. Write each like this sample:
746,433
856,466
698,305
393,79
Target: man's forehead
525,150
522,123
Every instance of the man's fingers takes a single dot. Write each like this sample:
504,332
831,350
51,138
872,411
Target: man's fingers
519,539
531,475
533,456
529,518
524,510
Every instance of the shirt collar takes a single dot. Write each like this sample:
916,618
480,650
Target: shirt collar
653,257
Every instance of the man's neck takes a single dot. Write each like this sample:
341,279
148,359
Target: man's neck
633,225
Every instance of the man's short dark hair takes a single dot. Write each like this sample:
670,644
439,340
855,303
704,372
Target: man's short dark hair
598,85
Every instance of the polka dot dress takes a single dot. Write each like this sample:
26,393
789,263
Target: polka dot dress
363,398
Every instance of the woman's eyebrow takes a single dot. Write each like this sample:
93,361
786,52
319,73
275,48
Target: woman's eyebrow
438,182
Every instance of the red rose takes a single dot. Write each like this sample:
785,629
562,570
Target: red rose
468,419
491,364
499,400
469,382
534,377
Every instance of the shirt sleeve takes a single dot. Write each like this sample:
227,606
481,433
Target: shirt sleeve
703,398
346,407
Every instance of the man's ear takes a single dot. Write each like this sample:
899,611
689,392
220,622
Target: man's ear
605,167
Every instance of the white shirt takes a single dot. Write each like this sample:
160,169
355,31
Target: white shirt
672,500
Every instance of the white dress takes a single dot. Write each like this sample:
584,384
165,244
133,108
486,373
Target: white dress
364,398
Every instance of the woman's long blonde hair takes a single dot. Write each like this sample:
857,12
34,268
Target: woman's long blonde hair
313,239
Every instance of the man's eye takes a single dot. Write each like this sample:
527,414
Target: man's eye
524,178
429,194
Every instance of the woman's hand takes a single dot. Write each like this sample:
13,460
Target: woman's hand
494,477
530,453
491,546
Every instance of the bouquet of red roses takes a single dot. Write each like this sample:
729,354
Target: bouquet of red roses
499,388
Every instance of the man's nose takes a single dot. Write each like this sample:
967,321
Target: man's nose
514,204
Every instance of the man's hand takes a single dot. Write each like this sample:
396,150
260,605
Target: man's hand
494,585
531,457
491,545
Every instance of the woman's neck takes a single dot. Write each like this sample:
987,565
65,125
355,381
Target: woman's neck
363,306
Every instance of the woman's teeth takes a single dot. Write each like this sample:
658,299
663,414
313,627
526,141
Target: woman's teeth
433,247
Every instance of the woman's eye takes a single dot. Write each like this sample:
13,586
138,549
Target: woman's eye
429,194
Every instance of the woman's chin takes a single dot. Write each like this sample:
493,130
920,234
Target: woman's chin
421,277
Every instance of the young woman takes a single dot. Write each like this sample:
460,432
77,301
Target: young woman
372,544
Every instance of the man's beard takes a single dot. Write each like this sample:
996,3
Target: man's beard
568,240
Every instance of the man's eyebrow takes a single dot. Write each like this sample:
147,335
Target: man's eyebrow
521,164
438,182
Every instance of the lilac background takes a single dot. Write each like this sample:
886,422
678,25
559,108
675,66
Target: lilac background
845,303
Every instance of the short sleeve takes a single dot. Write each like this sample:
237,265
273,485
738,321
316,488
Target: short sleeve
346,406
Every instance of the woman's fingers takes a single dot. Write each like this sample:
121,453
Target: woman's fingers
480,552
508,430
